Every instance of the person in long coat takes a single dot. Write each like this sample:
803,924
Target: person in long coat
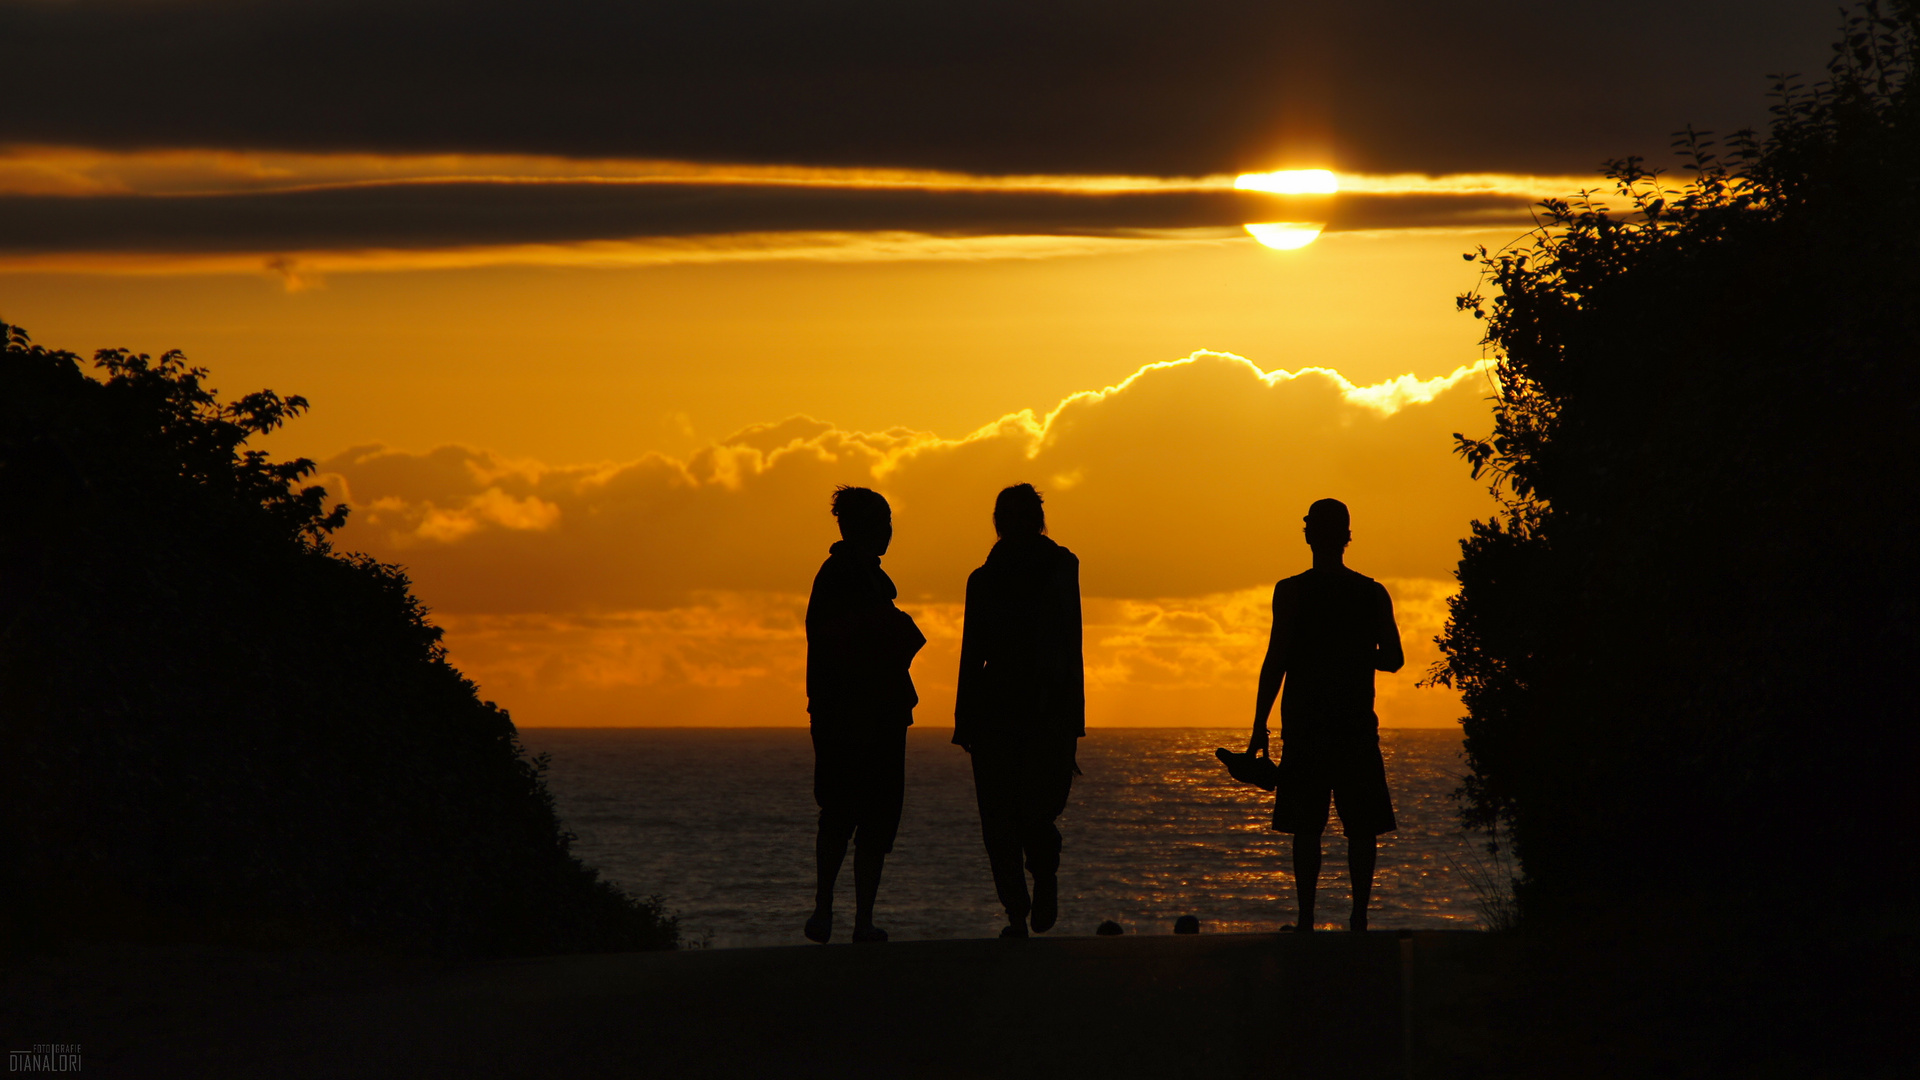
1021,703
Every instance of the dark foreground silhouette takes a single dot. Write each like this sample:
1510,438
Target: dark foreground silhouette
1021,703
1332,629
1685,641
860,701
219,729
1151,1006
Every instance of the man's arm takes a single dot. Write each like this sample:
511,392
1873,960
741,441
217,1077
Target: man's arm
1073,676
903,636
972,667
1390,657
1273,669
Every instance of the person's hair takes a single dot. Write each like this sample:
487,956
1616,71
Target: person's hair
1018,510
856,506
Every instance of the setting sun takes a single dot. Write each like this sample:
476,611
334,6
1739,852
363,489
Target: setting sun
1286,235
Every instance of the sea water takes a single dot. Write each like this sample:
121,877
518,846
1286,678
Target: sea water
720,824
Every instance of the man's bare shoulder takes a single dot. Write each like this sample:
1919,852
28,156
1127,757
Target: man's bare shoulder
1286,592
1345,574
1354,579
1372,587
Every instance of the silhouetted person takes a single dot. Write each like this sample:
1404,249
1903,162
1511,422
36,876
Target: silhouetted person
1021,704
861,698
1332,629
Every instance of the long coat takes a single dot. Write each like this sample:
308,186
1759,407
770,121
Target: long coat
1022,674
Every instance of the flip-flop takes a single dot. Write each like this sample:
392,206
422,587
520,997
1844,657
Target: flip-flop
820,929
863,935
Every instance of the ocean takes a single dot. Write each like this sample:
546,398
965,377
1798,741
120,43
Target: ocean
720,824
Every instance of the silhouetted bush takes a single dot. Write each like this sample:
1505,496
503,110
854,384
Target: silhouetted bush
1683,642
216,727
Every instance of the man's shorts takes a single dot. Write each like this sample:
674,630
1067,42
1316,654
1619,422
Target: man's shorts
859,782
1349,774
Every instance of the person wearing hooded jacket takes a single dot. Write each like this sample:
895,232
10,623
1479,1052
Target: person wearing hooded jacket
860,698
1020,707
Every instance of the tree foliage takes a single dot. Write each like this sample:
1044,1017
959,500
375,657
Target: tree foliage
1681,640
218,726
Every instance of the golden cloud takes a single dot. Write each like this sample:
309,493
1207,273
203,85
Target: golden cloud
302,216
671,586
80,170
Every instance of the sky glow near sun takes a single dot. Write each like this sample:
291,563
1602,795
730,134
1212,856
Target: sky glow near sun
1290,182
66,170
211,212
1288,235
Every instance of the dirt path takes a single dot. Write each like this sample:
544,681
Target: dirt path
1329,1005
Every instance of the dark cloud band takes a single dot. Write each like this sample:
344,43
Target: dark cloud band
414,216
981,86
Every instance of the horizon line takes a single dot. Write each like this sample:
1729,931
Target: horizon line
937,727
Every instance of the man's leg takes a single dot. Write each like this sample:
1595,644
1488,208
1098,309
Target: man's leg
1361,850
1306,874
829,851
998,797
836,828
867,864
1042,845
1047,782
883,790
1365,806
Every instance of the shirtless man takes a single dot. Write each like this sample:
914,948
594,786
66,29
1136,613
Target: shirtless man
1332,629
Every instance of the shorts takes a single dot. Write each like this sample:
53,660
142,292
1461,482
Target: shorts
859,783
1351,776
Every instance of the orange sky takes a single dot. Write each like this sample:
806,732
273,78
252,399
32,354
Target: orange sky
596,302
609,481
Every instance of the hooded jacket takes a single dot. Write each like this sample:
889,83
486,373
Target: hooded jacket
859,646
1022,675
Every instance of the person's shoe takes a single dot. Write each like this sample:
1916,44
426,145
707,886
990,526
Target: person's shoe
863,935
819,928
1046,902
1014,930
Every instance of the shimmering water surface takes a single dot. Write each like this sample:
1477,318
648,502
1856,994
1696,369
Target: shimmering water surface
721,822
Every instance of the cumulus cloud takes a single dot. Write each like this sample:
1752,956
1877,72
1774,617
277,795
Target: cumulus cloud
1187,478
668,590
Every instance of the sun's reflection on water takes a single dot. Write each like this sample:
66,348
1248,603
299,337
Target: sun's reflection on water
1154,830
